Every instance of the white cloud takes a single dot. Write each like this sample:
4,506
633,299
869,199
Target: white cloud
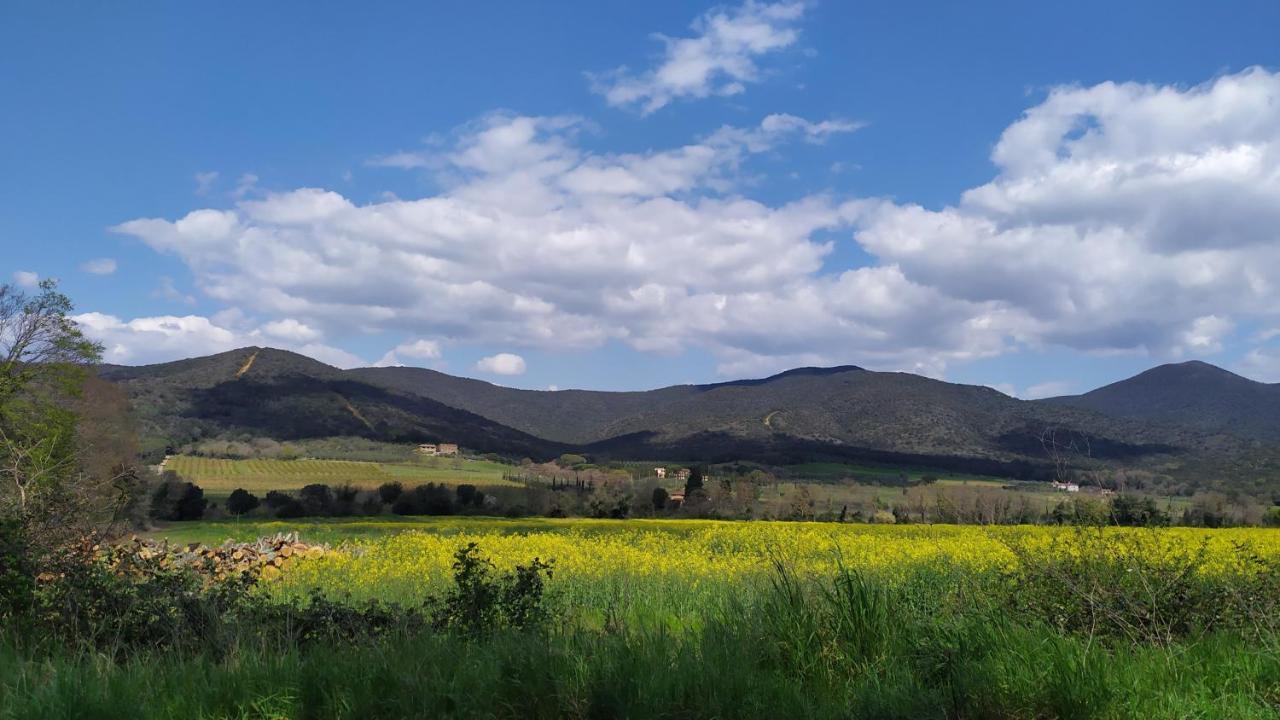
415,350
156,339
1121,218
720,58
205,181
502,364
99,266
1124,217
290,330
168,337
26,279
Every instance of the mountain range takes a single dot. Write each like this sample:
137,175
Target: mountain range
1181,419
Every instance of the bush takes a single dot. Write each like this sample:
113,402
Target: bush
481,602
178,500
17,572
429,499
241,501
344,500
316,499
660,497
275,499
390,492
291,509
569,460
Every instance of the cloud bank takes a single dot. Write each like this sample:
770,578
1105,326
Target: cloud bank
1128,218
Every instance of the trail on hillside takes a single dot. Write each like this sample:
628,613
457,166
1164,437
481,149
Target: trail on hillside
247,364
768,419
352,409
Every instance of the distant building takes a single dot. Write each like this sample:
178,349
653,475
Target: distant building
660,472
434,450
683,474
1066,486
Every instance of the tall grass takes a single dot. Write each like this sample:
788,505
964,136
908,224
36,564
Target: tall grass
929,644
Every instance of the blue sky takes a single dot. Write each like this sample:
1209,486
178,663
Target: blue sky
1038,197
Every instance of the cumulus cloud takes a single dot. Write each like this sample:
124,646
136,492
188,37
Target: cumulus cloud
26,279
99,266
719,59
167,337
1124,217
502,364
418,350
1121,218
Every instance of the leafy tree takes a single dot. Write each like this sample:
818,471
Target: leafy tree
316,499
178,500
569,460
43,359
466,494
694,484
390,492
241,501
660,497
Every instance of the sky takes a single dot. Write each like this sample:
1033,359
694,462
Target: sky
1039,197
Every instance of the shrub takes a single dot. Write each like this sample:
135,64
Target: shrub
344,500
466,494
390,492
569,460
660,497
241,501
482,601
17,572
275,499
178,500
316,499
291,509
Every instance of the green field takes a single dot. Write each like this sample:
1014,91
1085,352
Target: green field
218,477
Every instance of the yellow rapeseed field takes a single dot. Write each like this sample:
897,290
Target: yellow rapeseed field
684,561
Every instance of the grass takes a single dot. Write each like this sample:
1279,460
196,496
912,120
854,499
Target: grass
931,641
218,477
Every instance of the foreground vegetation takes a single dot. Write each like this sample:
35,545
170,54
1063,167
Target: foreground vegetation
456,618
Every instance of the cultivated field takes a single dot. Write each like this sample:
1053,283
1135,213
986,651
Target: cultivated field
218,477
672,568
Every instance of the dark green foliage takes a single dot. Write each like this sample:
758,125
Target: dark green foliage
390,492
345,497
429,499
659,498
291,509
241,501
466,494
1137,512
178,500
693,486
316,499
483,601
275,499
17,572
